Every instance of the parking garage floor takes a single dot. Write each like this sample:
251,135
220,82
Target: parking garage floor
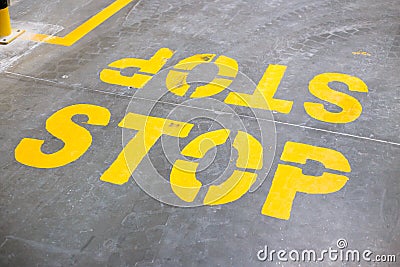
201,133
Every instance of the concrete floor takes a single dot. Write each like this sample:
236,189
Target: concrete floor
67,216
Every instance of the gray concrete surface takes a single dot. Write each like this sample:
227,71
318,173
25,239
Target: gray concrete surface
67,217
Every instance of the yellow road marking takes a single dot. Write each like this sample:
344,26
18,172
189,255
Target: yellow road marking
83,29
361,53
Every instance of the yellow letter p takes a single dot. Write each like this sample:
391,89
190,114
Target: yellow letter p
289,180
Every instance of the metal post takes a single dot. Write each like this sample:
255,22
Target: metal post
7,35
5,24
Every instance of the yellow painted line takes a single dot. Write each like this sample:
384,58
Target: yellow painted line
361,53
83,29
